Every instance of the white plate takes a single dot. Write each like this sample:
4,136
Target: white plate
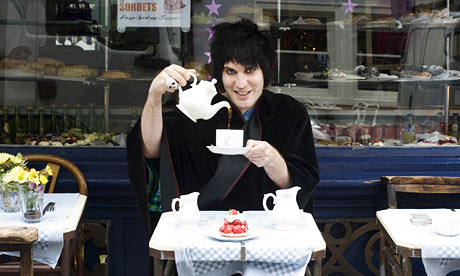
227,150
447,232
215,234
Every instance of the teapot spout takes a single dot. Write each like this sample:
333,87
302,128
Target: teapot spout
216,107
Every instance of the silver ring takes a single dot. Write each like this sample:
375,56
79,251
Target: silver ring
172,83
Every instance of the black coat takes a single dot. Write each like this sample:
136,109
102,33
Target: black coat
228,181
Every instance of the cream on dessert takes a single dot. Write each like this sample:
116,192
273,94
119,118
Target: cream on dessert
235,224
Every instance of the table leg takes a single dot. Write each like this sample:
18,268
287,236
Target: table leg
158,267
65,259
407,266
27,268
383,268
316,268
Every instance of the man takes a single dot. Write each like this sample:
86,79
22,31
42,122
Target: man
167,154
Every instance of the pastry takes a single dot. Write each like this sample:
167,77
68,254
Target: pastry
77,71
113,74
312,21
50,62
235,225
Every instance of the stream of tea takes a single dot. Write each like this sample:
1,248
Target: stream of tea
229,117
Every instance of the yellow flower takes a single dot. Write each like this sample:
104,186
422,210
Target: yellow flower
16,174
49,170
43,179
17,159
4,157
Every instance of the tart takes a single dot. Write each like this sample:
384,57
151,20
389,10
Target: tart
235,225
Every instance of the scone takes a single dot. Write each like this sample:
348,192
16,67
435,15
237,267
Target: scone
113,74
77,71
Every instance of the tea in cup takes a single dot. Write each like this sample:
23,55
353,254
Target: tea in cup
188,213
229,138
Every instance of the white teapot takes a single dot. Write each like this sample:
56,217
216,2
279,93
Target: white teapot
188,212
196,101
286,212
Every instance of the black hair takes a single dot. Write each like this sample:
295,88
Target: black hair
241,42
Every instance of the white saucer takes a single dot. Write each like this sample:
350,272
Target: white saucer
227,150
215,234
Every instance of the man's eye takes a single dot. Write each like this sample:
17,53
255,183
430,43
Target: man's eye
230,71
250,70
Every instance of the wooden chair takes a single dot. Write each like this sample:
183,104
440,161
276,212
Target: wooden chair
56,162
408,184
71,242
20,238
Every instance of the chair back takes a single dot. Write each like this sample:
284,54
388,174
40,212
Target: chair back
419,185
56,162
20,238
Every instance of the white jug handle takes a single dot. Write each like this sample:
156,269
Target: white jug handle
173,204
264,202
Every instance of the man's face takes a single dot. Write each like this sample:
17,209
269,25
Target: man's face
243,85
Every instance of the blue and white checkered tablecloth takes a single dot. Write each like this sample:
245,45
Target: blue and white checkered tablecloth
440,253
271,252
47,249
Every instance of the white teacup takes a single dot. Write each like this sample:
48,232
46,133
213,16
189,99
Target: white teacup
229,138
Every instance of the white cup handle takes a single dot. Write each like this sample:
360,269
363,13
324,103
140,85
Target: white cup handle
264,202
173,205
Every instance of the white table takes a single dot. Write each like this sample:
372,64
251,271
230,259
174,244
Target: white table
399,236
66,217
165,236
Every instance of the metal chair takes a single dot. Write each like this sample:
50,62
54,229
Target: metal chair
408,184
70,252
20,238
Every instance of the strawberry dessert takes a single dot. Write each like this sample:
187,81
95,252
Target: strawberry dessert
235,225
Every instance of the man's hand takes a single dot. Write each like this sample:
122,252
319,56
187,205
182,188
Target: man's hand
264,155
261,153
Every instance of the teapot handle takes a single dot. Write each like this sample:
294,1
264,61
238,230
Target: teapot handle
194,79
193,84
173,204
264,202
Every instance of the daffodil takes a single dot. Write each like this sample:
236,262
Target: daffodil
49,171
43,179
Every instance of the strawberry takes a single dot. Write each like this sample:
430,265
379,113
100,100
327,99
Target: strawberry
233,212
245,223
237,229
221,229
244,228
237,222
228,229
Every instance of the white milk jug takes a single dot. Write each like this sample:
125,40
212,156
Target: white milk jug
286,212
188,212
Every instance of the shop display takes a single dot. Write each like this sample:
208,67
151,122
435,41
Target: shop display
332,58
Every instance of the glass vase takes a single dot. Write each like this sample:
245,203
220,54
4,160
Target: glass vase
32,204
10,201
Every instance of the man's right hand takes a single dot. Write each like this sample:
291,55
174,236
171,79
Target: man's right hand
159,84
152,116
